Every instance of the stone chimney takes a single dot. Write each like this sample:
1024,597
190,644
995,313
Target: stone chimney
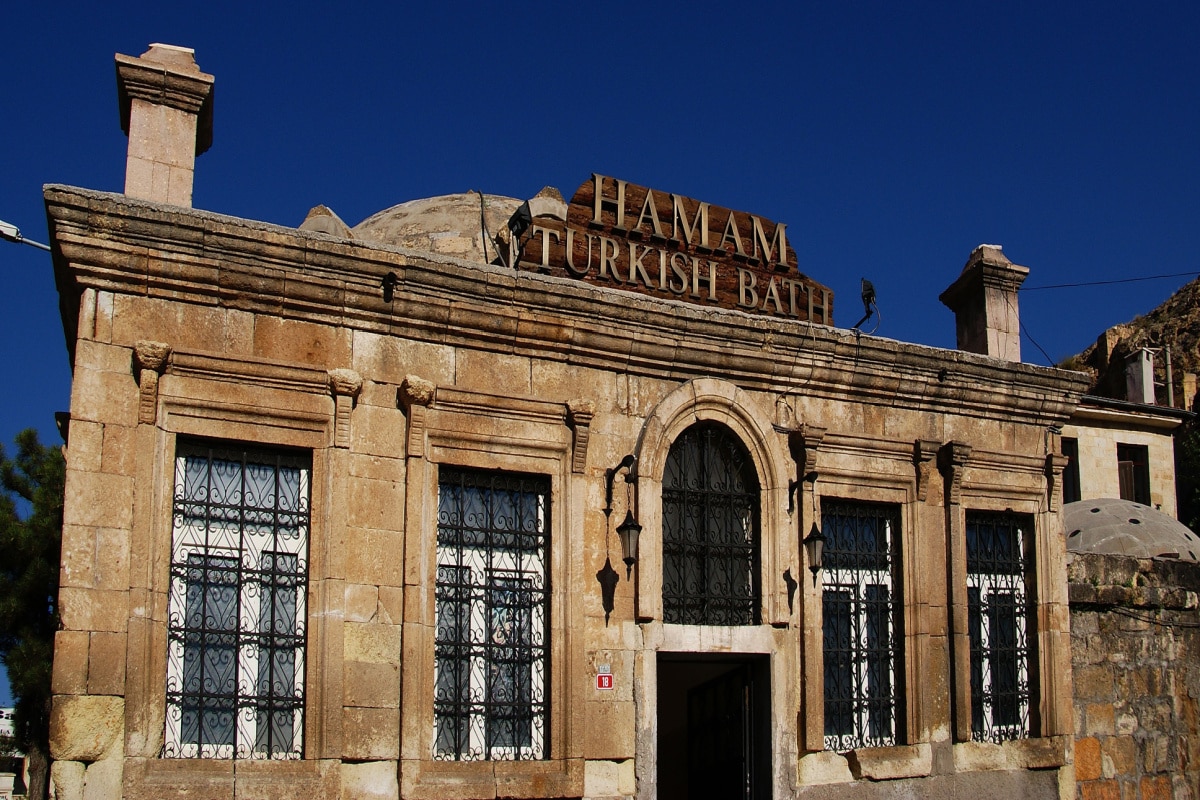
984,302
1139,377
166,110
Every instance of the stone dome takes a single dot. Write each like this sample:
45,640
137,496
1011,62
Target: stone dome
450,225
1122,527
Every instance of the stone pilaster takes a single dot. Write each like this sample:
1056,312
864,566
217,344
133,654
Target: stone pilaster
952,461
416,394
579,416
151,360
345,384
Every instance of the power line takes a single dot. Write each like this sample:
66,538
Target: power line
1106,283
1028,335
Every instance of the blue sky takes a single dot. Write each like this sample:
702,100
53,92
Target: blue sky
891,137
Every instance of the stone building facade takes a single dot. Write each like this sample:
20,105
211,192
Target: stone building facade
1117,448
347,518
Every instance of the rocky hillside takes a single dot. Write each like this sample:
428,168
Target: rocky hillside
1174,324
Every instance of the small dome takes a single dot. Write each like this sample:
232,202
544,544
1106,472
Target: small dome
1122,527
450,225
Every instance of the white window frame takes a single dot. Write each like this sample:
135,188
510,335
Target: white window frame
992,586
842,580
484,564
191,539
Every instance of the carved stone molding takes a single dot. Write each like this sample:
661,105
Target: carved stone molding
952,460
416,395
345,384
1055,464
924,454
579,416
150,359
785,416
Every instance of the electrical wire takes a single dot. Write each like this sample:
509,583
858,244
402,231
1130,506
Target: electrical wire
1028,335
1107,283
1152,619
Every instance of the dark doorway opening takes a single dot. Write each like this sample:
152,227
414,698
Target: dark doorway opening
714,726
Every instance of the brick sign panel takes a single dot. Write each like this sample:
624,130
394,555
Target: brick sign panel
627,236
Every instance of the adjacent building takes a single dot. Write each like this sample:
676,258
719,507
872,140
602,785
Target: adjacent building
501,498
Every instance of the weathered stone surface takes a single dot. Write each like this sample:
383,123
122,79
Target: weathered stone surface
371,642
70,672
1136,676
371,780
106,664
362,603
818,768
889,763
66,778
371,685
103,779
370,734
602,779
1087,759
86,728
93,609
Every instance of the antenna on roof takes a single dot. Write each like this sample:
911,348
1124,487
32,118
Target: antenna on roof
869,306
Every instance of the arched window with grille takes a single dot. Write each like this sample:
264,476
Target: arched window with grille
710,516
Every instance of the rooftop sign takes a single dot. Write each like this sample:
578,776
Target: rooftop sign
620,234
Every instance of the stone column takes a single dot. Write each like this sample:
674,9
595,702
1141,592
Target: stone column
166,110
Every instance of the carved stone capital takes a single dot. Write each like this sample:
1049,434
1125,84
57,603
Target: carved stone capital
924,454
952,461
150,358
416,394
1055,464
345,384
805,442
152,355
416,391
579,417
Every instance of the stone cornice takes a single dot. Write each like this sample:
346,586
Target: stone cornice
114,243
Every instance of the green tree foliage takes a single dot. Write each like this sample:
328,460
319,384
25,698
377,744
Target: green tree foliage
31,513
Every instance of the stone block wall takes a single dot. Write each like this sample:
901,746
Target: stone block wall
1135,645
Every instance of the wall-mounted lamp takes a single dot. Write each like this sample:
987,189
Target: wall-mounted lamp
629,530
814,550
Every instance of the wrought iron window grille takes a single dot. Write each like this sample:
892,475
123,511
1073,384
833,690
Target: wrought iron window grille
236,604
710,513
863,623
1000,623
491,662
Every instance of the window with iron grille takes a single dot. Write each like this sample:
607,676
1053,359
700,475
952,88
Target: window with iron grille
491,662
1000,611
710,513
863,617
236,603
